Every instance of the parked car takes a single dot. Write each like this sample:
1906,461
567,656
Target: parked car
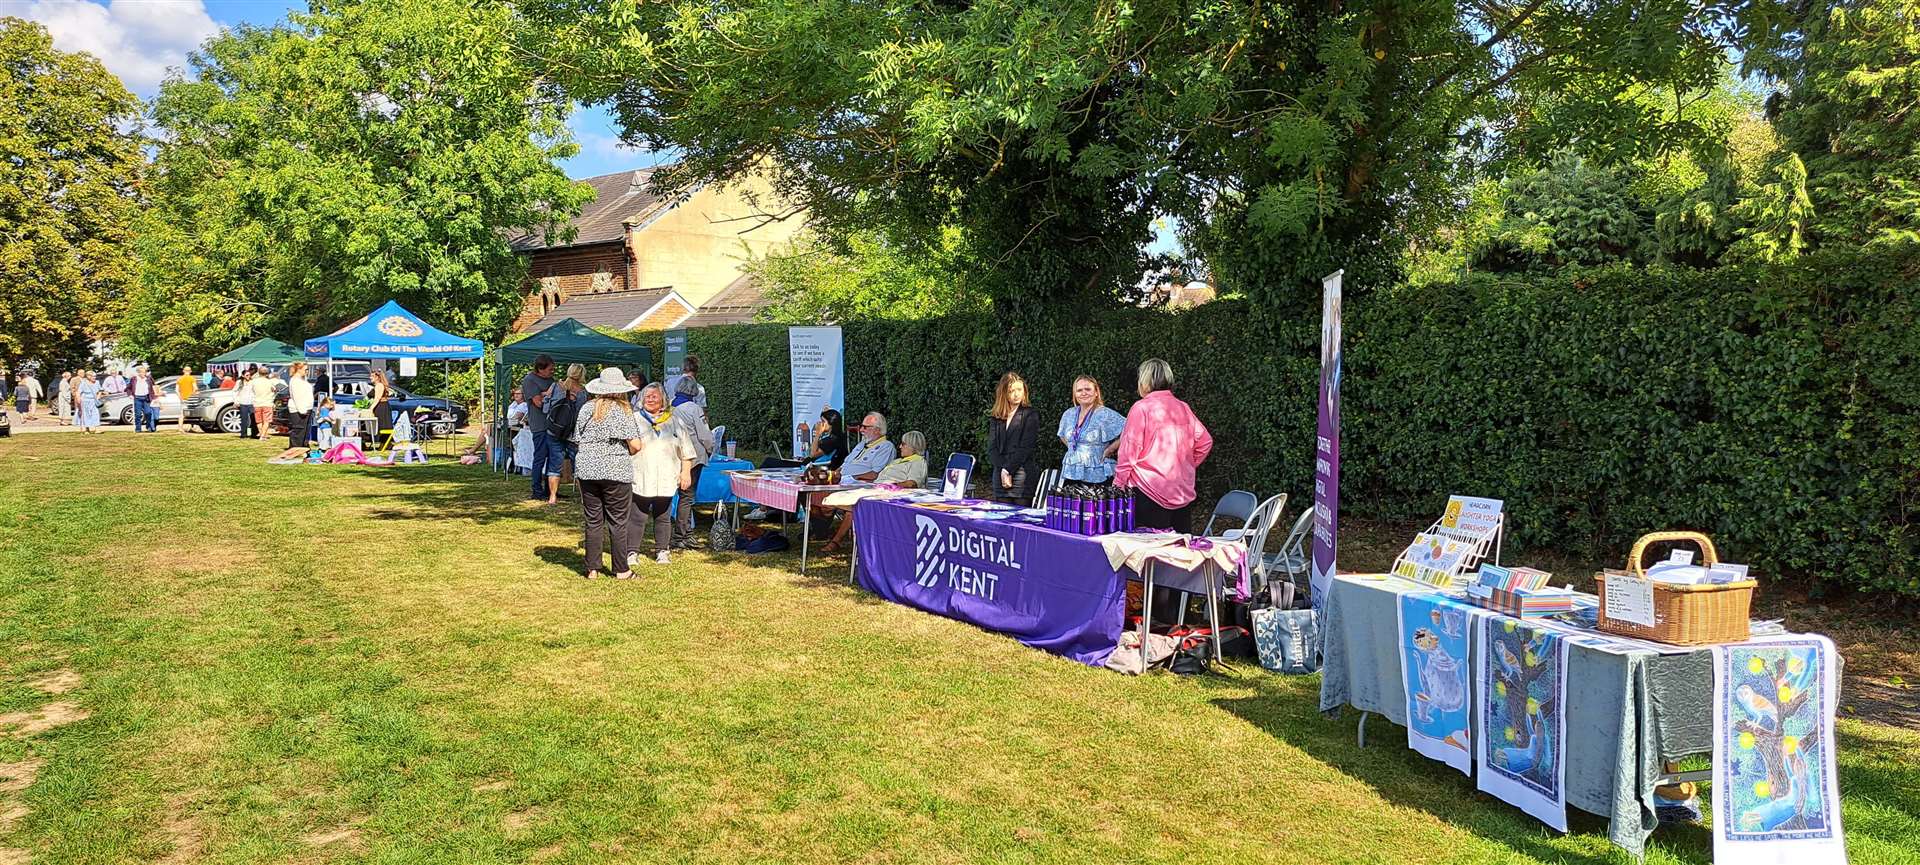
433,416
118,408
214,409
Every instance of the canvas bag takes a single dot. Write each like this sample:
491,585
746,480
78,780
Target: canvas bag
1288,640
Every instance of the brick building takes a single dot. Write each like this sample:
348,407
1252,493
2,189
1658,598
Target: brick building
640,262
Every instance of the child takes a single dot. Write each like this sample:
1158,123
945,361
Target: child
323,423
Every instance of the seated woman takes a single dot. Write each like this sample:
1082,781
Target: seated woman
908,471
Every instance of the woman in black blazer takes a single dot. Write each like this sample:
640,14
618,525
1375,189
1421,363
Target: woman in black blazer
1011,436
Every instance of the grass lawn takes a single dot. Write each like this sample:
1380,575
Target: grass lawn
204,658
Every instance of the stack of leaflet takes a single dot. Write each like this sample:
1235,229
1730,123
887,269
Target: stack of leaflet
1521,592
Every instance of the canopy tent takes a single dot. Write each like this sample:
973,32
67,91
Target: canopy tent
267,351
392,331
566,341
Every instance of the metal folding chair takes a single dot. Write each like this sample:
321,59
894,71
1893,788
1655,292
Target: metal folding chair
1048,480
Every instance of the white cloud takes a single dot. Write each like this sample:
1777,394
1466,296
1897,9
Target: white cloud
137,40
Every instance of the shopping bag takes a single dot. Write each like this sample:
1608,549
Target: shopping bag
1287,640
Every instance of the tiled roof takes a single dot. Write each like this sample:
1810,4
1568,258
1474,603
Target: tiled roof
740,302
612,309
618,198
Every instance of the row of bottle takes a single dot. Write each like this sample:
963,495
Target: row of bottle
1086,509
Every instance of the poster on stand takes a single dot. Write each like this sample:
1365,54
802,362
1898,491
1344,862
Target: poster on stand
819,380
676,342
1326,451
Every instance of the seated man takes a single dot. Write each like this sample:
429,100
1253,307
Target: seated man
909,471
871,454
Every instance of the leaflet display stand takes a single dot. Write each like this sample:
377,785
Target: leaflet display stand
1455,544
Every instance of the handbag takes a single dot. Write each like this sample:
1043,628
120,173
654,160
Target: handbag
720,537
1288,640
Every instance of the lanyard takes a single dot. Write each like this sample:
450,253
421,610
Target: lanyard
1084,417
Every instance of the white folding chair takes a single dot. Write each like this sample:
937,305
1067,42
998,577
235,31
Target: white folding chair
1292,558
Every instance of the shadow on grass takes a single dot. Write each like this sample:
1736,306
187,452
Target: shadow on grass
1287,710
448,490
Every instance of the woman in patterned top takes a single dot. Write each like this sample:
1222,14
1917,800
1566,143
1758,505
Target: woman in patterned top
605,435
662,466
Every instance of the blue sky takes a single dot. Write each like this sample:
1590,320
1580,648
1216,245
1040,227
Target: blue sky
141,39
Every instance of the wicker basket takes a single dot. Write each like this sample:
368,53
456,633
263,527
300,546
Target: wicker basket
1685,615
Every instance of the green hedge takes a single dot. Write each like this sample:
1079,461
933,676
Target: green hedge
1774,408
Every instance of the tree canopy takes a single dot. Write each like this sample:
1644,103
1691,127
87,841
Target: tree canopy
364,151
1850,85
1290,138
70,168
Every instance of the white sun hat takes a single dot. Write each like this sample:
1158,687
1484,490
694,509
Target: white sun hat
611,381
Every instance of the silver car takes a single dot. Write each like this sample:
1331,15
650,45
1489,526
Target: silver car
213,408
118,408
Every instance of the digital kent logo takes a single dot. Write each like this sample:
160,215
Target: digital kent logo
928,547
969,562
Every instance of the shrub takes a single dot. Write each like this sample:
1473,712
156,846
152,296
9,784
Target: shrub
1776,408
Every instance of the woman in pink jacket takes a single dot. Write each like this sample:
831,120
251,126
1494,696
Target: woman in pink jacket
1161,446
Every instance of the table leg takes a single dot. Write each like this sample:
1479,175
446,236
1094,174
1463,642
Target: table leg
853,560
1363,730
806,531
1146,613
1214,589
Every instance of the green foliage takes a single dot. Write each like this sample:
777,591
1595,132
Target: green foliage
70,168
1850,71
1774,407
1288,138
368,151
866,277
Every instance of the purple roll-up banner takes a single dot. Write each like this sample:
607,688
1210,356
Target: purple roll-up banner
1326,451
1048,589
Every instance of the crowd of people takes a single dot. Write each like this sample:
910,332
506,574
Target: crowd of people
1154,450
633,446
77,397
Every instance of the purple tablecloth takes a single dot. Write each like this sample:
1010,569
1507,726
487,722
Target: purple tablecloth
1047,589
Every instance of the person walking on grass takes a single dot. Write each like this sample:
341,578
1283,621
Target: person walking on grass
184,387
534,388
299,409
63,399
692,417
563,409
146,418
607,435
88,394
661,466
243,400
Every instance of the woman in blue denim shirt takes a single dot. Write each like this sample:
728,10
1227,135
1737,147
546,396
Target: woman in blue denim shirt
1091,432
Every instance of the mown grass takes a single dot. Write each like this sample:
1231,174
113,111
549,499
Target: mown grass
305,664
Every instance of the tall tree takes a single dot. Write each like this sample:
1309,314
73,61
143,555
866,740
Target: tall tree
1289,137
1849,106
366,151
70,166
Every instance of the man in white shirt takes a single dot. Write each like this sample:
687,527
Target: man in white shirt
872,454
146,418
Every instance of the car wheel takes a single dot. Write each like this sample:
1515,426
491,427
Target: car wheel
230,420
126,416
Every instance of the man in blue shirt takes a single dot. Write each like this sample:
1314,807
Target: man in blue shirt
873,452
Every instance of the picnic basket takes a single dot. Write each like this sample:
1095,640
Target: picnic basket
1685,615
